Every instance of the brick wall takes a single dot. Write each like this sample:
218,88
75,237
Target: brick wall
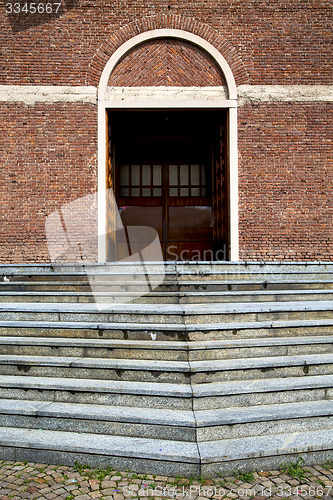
285,150
48,159
278,42
167,62
286,179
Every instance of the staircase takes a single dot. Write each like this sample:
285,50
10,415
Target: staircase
224,366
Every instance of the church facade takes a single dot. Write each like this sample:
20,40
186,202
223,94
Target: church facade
210,122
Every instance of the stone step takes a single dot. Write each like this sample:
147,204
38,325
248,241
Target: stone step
233,423
262,392
96,348
156,423
179,268
170,372
263,347
220,395
179,286
250,274
207,425
265,452
249,285
98,392
167,313
173,372
209,371
119,452
169,282
167,297
220,366
161,456
165,350
167,331
194,267
259,329
252,296
156,272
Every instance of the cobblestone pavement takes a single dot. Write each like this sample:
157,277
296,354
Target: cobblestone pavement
41,481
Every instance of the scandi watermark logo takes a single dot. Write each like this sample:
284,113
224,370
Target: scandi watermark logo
25,14
135,264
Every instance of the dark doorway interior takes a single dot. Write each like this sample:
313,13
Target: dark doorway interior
168,171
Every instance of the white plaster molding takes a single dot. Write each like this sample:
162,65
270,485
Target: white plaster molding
284,93
233,187
31,94
167,97
167,33
143,96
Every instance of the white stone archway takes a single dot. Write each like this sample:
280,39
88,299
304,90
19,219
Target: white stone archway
168,97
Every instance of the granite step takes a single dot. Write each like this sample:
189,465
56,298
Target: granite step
222,366
119,452
207,425
265,452
209,371
170,372
165,350
156,423
162,456
176,285
170,297
97,392
262,391
173,372
96,348
233,423
167,313
170,272
167,331
262,347
221,395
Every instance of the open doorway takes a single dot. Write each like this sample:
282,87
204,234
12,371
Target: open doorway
168,170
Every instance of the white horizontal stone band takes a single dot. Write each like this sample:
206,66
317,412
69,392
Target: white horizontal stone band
170,96
284,93
31,94
167,97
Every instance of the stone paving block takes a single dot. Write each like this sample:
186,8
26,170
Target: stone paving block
108,484
107,491
47,488
133,487
118,496
76,492
279,480
70,487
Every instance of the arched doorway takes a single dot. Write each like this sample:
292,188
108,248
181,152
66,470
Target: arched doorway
188,193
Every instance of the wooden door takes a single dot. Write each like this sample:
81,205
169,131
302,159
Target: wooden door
173,198
189,217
